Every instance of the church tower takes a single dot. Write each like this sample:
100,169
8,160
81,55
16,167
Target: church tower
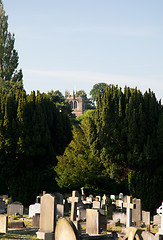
77,102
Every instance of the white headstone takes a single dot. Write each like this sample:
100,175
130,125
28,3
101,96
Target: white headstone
112,197
33,209
74,199
129,206
160,212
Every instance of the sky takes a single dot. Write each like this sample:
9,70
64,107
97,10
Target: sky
75,44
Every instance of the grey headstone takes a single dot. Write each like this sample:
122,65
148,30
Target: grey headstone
146,218
15,208
92,221
36,220
47,217
60,210
157,219
96,204
137,211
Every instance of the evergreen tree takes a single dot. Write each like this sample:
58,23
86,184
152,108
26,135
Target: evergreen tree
10,77
32,132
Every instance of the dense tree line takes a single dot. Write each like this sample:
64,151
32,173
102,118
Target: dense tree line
32,132
122,141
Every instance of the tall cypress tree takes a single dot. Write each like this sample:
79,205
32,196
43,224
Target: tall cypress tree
10,77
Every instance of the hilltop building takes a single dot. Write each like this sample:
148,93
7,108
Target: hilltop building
77,102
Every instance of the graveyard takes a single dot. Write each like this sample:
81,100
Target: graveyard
98,158
79,217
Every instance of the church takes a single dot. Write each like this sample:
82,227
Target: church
77,102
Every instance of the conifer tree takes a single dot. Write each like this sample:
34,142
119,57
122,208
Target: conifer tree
10,77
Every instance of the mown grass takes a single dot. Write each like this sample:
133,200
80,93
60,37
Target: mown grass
25,233
19,234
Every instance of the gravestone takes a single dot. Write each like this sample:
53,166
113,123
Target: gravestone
47,217
119,216
104,202
137,211
2,206
36,220
146,219
121,196
33,209
60,210
96,204
15,208
98,198
38,199
66,230
160,212
74,199
112,197
92,221
81,213
59,198
157,220
89,199
95,222
119,204
129,206
3,224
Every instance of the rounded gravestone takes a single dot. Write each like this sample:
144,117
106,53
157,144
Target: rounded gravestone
66,230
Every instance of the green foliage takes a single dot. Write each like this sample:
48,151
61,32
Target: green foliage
99,87
148,189
89,104
59,100
123,135
32,132
10,77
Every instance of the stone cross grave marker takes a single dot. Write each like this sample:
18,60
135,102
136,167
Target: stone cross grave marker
160,212
74,199
104,202
129,206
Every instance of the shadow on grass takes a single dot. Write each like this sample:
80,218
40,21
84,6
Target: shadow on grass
19,234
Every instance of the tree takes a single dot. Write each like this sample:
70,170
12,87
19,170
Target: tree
101,87
58,99
32,132
88,102
124,136
10,77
